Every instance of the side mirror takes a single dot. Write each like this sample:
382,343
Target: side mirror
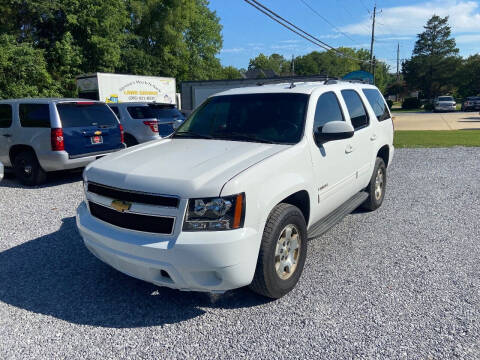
334,130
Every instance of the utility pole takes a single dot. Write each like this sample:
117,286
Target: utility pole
293,65
398,61
373,37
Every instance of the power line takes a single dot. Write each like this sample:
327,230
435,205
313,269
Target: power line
326,20
351,15
287,24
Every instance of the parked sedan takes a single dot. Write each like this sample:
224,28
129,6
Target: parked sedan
471,103
445,103
1,171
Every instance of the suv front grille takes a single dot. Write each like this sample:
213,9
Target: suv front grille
132,221
132,196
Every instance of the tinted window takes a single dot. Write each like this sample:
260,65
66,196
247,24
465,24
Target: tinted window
86,114
5,115
328,109
34,115
115,110
276,118
378,104
140,112
355,107
445,98
166,112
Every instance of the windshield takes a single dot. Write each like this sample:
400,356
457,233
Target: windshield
270,118
86,114
445,98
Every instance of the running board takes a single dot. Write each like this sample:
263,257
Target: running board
332,219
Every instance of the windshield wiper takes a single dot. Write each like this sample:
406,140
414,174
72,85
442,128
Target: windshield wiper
192,134
244,137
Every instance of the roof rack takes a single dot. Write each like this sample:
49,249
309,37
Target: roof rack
293,79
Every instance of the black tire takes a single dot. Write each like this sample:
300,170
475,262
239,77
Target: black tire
267,281
130,140
374,201
28,170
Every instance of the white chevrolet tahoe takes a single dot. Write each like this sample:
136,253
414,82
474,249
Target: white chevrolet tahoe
232,197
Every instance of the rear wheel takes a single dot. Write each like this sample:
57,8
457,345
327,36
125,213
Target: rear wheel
282,253
28,170
376,187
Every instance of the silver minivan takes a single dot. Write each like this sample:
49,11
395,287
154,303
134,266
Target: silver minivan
42,135
138,120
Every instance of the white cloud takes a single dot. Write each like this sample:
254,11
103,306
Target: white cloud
233,50
329,36
409,20
292,41
467,38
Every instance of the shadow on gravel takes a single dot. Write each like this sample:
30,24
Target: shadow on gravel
55,275
53,179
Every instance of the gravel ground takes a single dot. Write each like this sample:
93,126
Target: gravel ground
402,282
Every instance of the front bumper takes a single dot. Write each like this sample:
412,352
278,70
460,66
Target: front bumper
445,108
200,261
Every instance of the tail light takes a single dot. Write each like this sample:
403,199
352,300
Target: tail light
57,139
153,125
122,135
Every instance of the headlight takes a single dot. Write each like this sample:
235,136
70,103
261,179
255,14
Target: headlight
222,213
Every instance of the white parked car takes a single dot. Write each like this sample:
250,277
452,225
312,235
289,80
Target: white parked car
232,197
445,103
139,122
1,171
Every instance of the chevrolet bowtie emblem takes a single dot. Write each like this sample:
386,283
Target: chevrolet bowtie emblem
98,132
121,206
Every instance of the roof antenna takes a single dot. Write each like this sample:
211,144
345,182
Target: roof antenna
292,85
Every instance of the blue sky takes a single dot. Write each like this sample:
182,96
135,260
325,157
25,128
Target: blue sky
247,32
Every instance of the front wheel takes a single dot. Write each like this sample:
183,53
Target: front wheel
376,187
282,252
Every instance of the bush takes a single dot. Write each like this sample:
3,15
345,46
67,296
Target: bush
390,104
428,106
411,103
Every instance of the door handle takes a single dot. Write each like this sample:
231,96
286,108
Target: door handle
348,149
373,137
7,135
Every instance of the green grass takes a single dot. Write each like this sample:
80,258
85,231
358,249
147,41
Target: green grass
436,138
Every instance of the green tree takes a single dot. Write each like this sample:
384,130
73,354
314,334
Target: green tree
467,77
274,62
148,37
434,60
174,38
23,70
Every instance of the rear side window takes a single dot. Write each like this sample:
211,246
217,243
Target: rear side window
5,115
356,109
82,114
34,115
140,112
328,109
378,104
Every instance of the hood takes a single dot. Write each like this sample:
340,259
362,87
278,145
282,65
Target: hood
182,167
